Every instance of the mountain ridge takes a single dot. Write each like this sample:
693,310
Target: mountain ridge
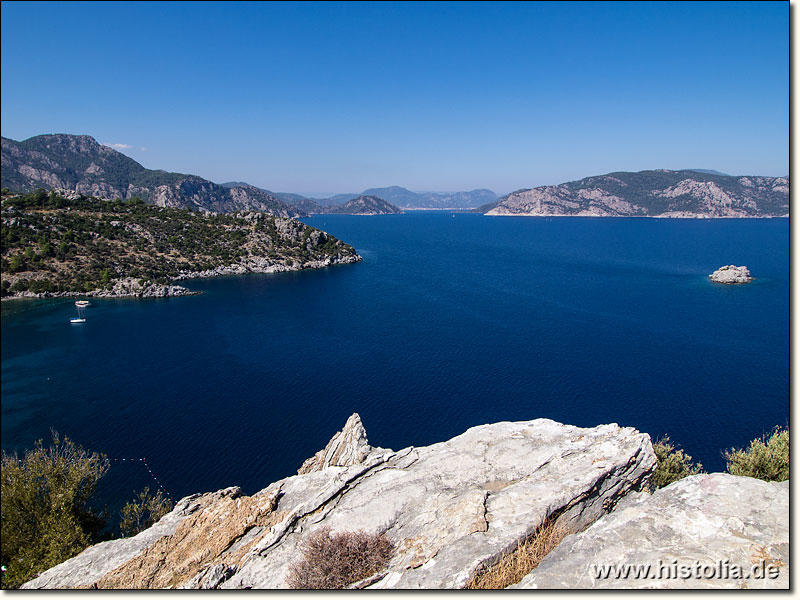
654,193
78,163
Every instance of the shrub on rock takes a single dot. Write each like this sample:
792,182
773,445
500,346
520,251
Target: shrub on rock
766,458
337,560
673,464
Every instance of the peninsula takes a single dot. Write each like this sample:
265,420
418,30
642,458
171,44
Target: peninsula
66,244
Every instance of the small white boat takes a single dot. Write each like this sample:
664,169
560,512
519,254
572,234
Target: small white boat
80,304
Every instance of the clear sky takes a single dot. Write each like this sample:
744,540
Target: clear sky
339,97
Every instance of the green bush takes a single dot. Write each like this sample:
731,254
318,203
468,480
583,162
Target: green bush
46,517
673,464
767,458
141,513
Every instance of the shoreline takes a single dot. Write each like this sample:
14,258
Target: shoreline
708,217
128,287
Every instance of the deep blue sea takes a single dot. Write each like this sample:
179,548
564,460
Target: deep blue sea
449,322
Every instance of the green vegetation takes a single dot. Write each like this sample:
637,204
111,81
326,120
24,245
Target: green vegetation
144,511
46,509
766,458
46,517
337,560
51,244
673,464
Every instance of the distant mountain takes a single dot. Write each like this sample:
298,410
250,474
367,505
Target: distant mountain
301,203
660,193
399,196
365,205
708,172
407,199
78,163
336,200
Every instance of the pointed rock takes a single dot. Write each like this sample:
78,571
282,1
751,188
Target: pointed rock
348,447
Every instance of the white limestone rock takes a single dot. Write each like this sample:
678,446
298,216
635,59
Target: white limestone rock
348,447
731,274
449,508
707,524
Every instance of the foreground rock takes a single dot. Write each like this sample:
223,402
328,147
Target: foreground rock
718,525
731,274
449,508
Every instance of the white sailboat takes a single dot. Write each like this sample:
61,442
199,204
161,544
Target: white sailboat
80,304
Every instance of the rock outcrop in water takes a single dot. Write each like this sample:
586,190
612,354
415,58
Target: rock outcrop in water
452,509
731,274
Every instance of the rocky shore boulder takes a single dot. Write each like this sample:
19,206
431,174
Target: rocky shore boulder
705,531
731,274
132,287
449,509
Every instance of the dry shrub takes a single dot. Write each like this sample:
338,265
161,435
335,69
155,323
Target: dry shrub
522,560
337,560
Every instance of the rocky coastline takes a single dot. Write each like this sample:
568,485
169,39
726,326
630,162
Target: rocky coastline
131,287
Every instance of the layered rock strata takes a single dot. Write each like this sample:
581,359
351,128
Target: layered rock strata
450,509
705,531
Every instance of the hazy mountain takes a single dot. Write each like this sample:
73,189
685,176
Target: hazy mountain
78,163
399,196
707,171
660,193
407,199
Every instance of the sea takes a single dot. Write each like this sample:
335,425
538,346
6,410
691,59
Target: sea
452,320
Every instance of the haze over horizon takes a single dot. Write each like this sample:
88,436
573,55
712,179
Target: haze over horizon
328,98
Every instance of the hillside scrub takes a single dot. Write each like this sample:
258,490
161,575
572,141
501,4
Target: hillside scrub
766,458
52,244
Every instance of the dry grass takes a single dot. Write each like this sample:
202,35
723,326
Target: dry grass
522,560
336,560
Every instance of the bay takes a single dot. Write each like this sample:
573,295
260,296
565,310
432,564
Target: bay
452,320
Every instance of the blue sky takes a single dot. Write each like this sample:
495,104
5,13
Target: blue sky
339,97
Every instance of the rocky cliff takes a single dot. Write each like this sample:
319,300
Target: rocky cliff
78,163
660,193
450,510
